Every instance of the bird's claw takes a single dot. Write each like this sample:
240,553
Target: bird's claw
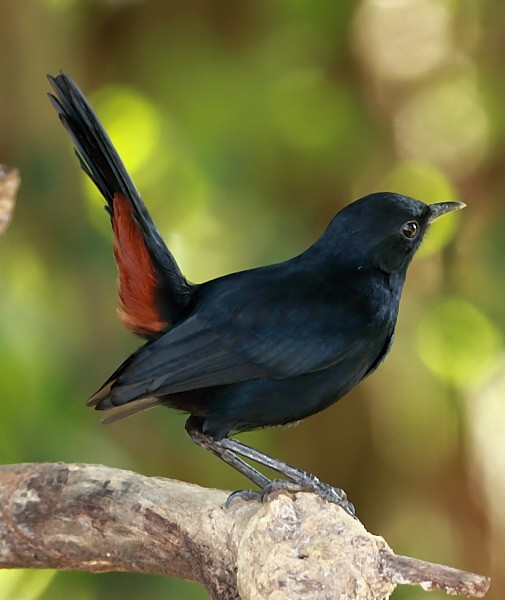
335,495
246,495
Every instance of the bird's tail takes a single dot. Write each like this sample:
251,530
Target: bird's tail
96,154
152,289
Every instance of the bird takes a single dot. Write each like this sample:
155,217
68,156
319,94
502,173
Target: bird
267,346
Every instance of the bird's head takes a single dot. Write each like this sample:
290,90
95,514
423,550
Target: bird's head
383,230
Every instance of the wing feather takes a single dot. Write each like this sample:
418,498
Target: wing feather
215,347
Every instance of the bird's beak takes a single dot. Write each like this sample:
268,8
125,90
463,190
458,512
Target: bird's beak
442,208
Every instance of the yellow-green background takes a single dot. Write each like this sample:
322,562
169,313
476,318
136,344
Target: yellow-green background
246,126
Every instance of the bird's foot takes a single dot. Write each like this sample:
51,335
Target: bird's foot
308,483
264,494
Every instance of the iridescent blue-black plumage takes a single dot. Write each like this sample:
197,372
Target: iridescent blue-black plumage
260,347
278,343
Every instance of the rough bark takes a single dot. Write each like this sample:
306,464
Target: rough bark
95,518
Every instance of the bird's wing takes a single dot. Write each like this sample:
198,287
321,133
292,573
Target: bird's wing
189,356
153,292
258,337
290,319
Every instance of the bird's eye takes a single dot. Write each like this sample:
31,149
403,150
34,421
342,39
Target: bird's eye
410,229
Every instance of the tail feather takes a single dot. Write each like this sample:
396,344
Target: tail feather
154,293
97,156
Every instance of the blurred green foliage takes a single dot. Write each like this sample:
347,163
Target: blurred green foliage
451,335
246,126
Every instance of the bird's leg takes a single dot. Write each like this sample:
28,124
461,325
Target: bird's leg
227,448
297,479
228,457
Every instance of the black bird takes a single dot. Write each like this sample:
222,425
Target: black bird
257,348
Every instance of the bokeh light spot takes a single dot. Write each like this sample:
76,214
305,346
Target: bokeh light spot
25,584
486,422
459,343
446,124
404,40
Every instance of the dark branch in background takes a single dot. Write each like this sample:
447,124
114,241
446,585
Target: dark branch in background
94,518
9,184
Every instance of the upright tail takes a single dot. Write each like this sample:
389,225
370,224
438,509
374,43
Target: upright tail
96,154
153,292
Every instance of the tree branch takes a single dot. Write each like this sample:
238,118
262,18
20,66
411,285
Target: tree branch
9,184
95,518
